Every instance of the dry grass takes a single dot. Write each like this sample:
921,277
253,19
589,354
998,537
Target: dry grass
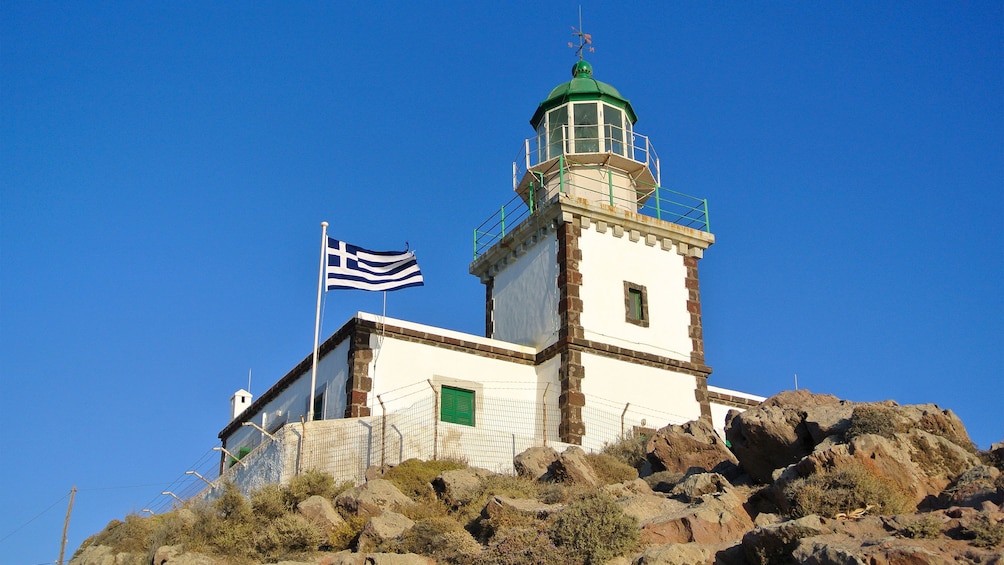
594,529
629,450
845,489
414,477
927,527
609,469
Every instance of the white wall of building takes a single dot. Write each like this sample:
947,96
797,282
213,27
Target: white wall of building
608,261
658,396
507,394
290,404
525,310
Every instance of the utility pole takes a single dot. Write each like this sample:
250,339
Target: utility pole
66,523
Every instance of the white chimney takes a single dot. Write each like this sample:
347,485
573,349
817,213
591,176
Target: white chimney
239,402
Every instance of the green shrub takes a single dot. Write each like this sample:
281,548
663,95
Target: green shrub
414,477
171,529
609,469
927,527
845,489
442,538
286,535
129,536
345,535
270,502
313,482
524,546
505,519
594,529
629,450
877,419
984,533
512,486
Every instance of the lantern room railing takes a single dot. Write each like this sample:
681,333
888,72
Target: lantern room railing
582,140
649,199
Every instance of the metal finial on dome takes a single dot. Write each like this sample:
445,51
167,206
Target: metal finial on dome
585,39
582,69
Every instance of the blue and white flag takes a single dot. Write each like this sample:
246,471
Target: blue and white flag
350,266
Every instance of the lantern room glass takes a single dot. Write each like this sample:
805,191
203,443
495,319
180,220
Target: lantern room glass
557,135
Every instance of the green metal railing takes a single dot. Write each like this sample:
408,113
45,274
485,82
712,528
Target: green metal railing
654,201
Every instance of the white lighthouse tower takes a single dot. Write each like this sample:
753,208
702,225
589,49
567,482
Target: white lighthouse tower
599,273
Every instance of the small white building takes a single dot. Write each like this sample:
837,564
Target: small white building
592,321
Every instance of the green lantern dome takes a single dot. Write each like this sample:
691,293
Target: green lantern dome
582,87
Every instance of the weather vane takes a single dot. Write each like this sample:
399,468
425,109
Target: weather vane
585,39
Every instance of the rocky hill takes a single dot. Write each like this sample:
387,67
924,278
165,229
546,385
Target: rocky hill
802,478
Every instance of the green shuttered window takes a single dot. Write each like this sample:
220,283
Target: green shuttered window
457,406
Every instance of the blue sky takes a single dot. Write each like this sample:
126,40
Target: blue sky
164,169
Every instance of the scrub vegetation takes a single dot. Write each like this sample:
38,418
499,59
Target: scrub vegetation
265,526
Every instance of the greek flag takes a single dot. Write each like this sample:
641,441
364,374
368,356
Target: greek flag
350,266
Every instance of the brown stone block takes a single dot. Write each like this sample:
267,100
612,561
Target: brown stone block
572,428
357,397
572,398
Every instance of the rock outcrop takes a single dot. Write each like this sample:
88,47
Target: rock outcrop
808,480
692,447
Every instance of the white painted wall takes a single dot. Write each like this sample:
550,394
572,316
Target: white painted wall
658,396
403,369
291,404
608,261
526,297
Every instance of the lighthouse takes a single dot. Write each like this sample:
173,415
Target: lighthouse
600,271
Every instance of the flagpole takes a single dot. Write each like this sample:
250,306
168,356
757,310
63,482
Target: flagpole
317,320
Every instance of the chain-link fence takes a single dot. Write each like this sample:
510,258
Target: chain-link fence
506,421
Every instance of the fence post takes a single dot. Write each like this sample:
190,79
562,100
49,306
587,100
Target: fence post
383,433
303,445
543,405
610,186
435,419
622,418
707,218
502,211
658,205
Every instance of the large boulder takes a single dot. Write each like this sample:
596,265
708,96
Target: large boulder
678,554
917,463
716,518
694,446
533,462
774,434
319,512
774,543
647,507
497,506
460,486
692,488
573,467
372,497
382,528
973,487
